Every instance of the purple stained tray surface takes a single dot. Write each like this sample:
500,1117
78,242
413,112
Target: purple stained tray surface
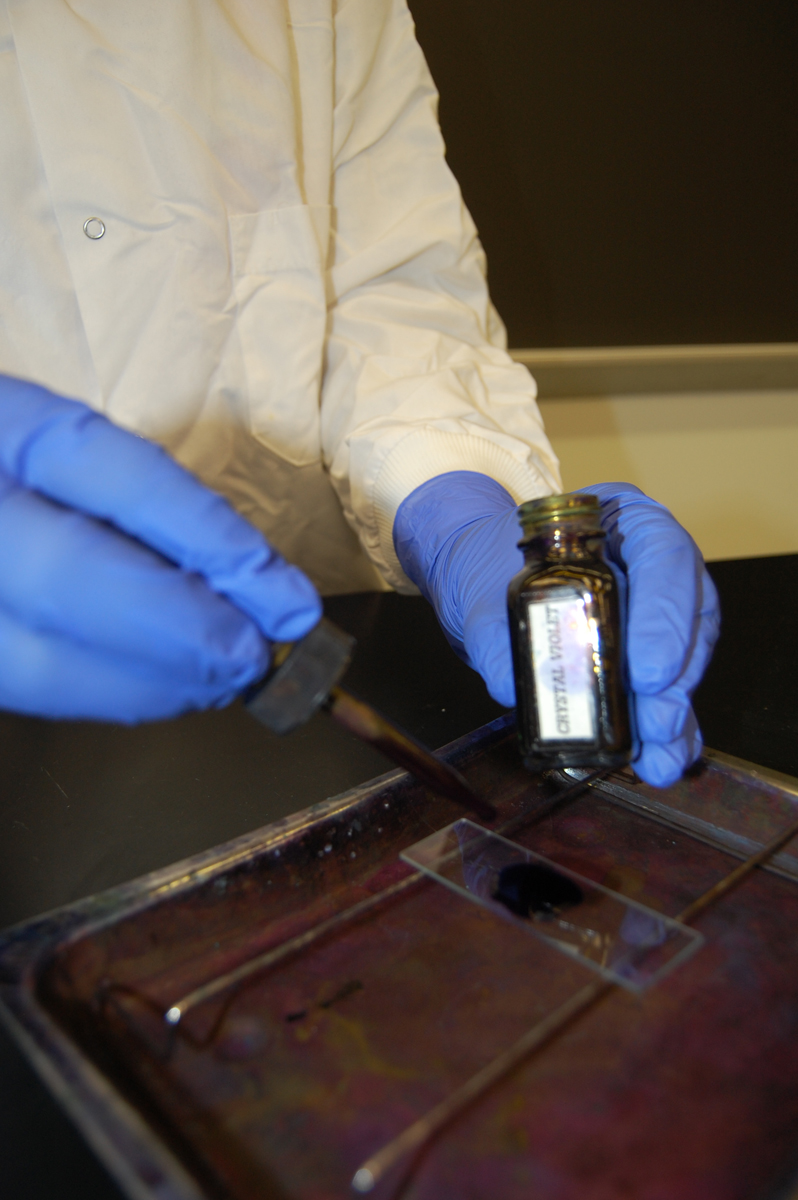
283,1087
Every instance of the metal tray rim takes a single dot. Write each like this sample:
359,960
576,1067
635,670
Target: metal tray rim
91,913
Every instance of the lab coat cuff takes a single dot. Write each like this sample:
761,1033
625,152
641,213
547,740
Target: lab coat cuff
425,454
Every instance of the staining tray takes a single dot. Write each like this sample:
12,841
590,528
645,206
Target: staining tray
379,991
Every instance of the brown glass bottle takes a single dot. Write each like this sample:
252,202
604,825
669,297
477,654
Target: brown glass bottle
568,654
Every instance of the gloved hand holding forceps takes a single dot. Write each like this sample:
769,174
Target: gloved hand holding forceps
128,590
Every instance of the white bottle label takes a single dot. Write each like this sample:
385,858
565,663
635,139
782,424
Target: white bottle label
562,658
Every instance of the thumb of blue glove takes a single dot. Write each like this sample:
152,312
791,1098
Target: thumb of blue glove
456,538
128,590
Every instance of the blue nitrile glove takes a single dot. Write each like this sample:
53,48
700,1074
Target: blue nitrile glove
456,537
128,590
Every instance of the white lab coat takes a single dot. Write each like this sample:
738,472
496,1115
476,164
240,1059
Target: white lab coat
289,293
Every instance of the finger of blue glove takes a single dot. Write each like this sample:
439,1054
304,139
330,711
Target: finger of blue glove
663,763
64,573
75,456
487,650
662,716
673,623
668,730
670,592
40,672
456,538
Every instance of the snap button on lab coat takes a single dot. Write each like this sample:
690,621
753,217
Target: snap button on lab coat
94,228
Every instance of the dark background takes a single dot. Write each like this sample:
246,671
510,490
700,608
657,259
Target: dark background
631,166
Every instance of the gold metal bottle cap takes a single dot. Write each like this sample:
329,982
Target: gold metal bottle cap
548,509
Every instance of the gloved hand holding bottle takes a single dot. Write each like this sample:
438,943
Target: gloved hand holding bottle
128,590
456,537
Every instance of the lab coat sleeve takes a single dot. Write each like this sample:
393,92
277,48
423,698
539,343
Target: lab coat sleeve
417,380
